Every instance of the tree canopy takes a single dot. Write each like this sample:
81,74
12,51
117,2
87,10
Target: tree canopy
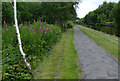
107,13
116,16
53,13
103,14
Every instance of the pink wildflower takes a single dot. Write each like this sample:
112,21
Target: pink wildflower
26,26
50,30
39,27
30,28
4,22
44,22
40,21
46,29
33,29
7,29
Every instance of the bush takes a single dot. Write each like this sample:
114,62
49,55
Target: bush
70,24
37,39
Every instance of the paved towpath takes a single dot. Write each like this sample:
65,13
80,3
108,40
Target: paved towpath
96,63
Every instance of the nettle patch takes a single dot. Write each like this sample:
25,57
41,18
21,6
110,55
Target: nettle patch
37,39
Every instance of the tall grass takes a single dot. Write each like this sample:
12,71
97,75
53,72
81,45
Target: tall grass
37,39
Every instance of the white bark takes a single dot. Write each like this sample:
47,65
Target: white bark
18,36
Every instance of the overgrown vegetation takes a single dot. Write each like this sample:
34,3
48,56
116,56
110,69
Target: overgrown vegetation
62,61
37,39
37,35
106,41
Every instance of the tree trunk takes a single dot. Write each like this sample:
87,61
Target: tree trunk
18,36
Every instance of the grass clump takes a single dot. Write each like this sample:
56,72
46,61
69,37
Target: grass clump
62,61
106,41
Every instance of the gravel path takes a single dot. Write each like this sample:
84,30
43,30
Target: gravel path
96,63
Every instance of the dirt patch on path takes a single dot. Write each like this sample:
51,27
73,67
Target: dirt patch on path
96,62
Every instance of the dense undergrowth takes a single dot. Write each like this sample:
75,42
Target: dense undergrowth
37,40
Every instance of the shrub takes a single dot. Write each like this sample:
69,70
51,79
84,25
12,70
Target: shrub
37,39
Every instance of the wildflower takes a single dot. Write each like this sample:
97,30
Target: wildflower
46,29
34,20
33,29
21,24
40,21
45,32
30,28
50,30
26,26
6,25
39,27
3,31
44,22
16,65
47,23
4,22
7,29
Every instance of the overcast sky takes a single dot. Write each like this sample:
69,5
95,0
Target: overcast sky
89,5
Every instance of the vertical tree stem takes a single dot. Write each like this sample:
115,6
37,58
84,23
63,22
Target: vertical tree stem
18,36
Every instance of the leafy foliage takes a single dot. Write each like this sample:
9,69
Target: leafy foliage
107,13
53,13
101,15
37,39
116,12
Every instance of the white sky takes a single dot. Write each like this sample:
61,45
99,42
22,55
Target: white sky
89,5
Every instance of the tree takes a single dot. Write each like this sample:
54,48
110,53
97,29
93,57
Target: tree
101,15
54,13
93,18
18,36
23,12
116,12
7,12
58,13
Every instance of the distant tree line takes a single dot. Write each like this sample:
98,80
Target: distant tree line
53,13
107,13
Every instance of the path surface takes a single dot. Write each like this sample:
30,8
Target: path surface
96,63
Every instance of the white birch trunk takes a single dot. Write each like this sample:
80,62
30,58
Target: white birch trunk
18,36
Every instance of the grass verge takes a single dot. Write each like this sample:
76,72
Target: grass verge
106,41
62,61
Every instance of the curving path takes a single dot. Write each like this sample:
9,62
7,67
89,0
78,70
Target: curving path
96,63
